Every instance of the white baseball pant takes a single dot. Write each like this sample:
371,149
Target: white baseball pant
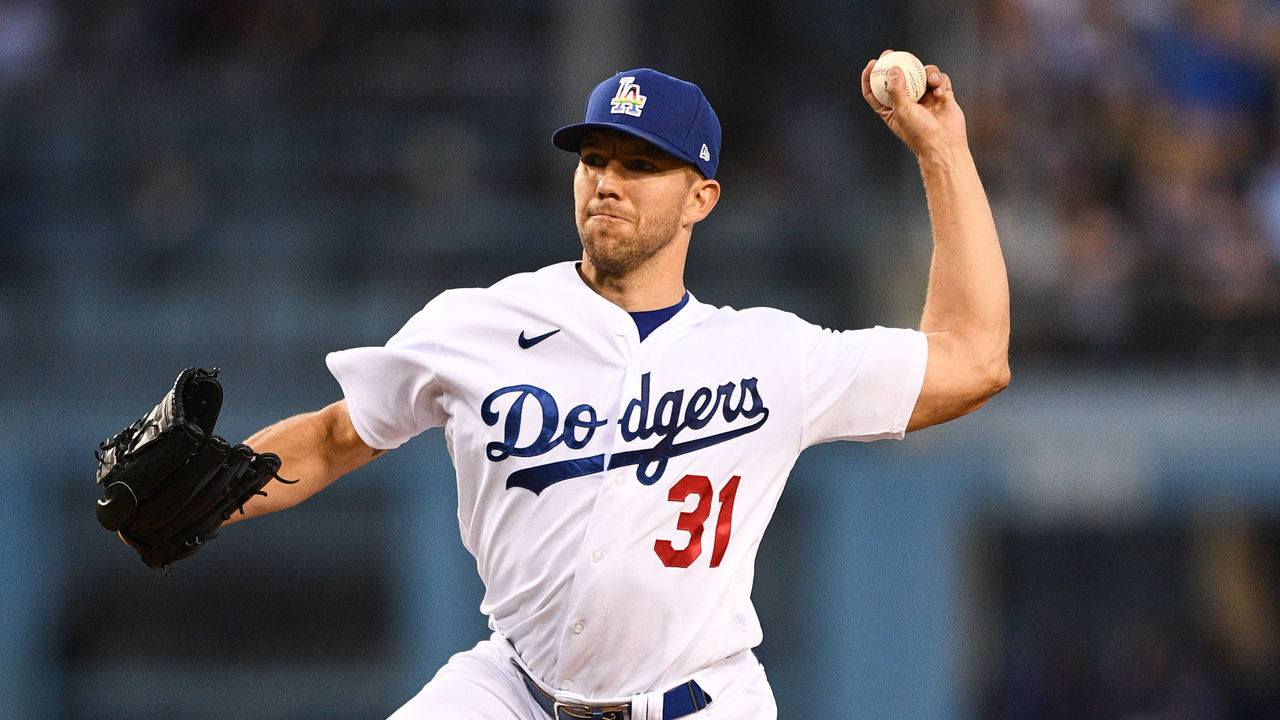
482,684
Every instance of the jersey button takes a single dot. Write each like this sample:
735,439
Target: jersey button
578,627
597,556
565,685
620,330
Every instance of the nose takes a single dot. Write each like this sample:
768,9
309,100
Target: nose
609,180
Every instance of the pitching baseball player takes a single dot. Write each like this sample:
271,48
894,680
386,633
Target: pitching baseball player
620,446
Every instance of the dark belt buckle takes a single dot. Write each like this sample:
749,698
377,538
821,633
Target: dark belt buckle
569,711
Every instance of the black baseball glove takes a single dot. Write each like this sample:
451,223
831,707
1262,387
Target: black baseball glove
169,483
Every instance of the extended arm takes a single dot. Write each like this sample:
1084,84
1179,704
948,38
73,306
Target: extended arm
315,448
966,311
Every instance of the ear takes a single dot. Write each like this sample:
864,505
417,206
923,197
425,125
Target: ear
702,198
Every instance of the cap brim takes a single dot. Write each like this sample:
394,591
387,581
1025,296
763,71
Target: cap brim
569,139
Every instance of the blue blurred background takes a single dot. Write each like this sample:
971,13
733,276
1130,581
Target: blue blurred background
254,184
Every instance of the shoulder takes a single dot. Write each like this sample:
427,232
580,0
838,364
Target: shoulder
512,289
547,277
473,308
761,318
781,330
748,332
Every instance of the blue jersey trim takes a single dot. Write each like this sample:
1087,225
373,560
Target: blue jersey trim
649,320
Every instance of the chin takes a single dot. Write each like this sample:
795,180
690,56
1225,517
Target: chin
608,264
611,259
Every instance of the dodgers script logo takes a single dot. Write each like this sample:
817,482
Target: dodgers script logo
738,406
628,101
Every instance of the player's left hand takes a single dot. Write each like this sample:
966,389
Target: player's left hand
934,123
169,483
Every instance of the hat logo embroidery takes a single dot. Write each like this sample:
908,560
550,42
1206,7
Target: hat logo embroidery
628,101
705,154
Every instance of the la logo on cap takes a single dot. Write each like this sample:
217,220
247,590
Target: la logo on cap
628,101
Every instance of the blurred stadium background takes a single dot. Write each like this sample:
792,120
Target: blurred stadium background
254,184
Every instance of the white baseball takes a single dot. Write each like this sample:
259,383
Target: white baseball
912,69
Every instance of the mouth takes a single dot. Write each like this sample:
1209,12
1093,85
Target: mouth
605,218
606,215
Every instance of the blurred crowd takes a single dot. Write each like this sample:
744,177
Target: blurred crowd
1132,149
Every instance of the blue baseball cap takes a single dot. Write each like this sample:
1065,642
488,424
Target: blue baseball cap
666,111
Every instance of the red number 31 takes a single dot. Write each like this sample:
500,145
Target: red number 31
693,521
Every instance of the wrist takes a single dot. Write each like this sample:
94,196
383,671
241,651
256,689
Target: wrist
944,157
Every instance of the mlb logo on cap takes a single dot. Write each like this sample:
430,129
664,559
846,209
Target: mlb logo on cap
666,111
628,101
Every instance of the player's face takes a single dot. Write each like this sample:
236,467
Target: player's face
630,199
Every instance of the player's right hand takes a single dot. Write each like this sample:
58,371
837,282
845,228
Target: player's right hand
934,124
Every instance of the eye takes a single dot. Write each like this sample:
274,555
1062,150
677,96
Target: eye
640,165
591,158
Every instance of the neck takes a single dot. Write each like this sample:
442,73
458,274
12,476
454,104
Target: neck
645,288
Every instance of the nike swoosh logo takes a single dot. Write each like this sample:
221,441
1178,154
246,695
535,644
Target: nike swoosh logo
528,342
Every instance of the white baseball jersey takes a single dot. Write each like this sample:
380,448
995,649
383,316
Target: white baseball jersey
613,491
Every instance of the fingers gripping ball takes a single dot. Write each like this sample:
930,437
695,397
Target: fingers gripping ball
912,70
168,482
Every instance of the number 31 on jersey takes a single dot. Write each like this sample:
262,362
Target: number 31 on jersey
695,521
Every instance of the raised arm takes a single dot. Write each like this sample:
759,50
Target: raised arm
315,448
966,311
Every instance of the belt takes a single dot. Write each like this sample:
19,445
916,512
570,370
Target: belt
681,700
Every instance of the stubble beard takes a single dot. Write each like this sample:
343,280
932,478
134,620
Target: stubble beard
619,251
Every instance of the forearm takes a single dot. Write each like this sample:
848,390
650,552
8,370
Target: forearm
315,449
966,312
966,309
968,290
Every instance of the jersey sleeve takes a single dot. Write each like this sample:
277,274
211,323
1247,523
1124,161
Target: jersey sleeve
860,384
393,392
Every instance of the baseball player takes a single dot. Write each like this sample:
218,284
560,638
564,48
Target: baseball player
620,446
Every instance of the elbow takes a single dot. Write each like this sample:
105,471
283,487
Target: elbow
987,377
993,375
985,384
999,375
990,380
959,378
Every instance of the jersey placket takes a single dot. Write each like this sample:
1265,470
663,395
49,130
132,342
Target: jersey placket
593,595
587,610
